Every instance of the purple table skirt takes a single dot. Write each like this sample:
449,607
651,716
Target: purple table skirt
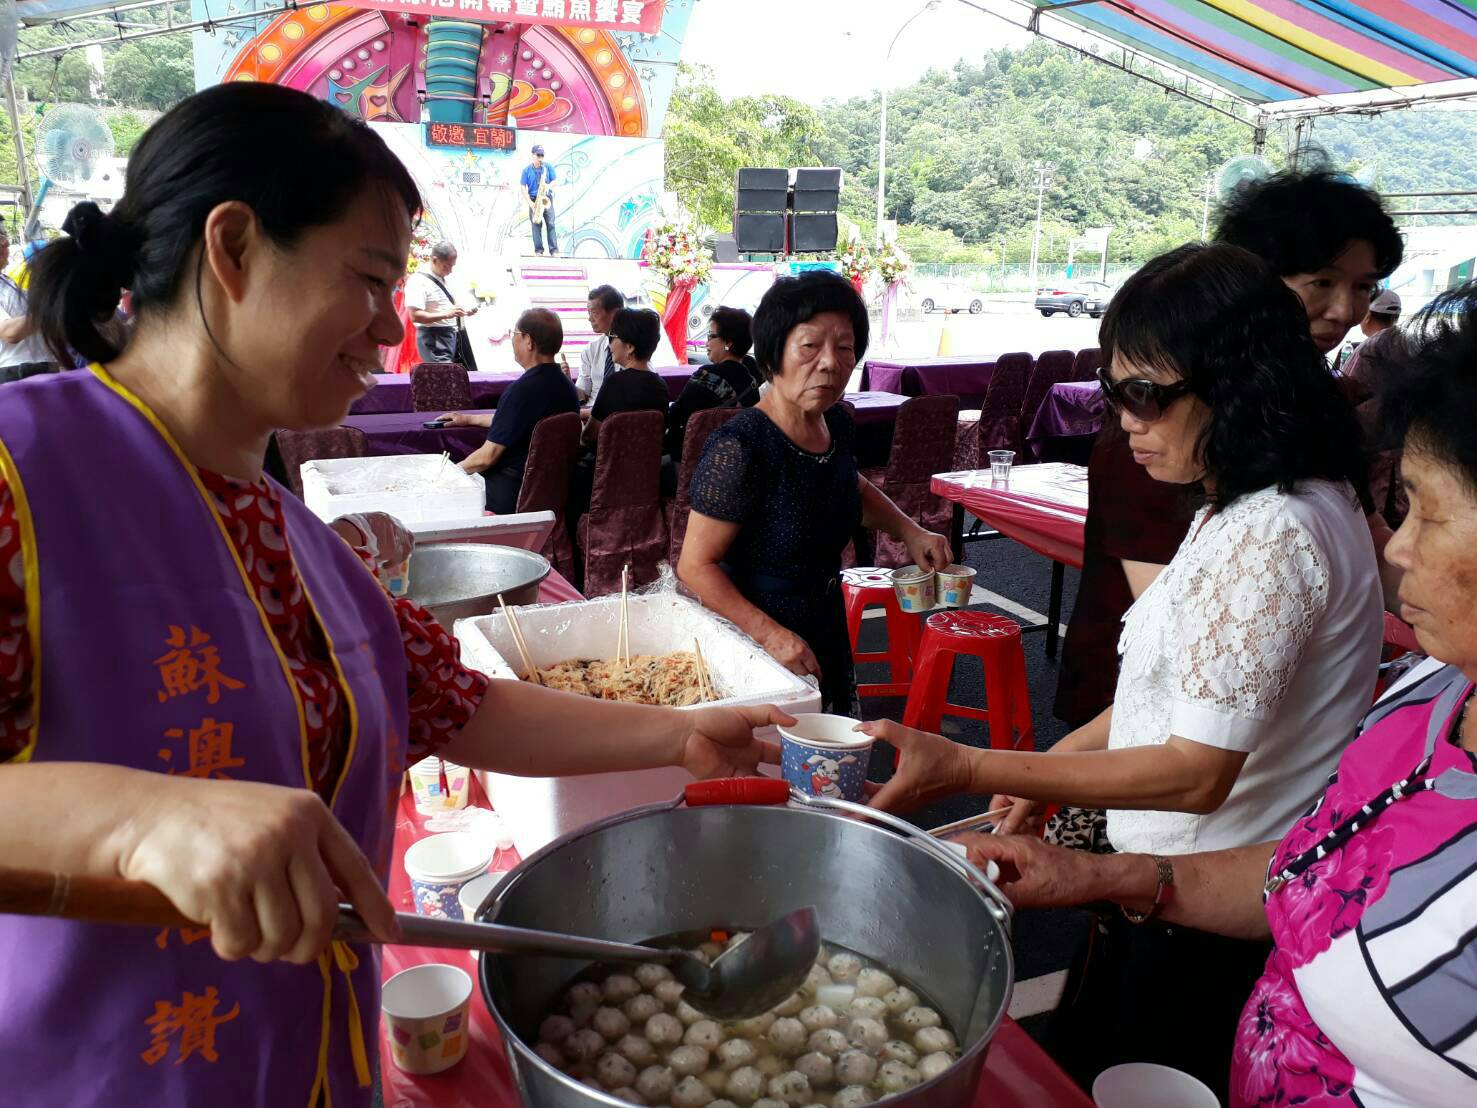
402,433
967,377
1071,409
875,406
392,392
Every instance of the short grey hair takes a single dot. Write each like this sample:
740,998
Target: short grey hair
443,250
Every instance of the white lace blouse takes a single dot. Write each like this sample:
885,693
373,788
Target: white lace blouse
1261,635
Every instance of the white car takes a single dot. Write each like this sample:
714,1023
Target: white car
944,296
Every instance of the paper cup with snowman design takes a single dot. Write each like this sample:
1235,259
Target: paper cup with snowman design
438,867
824,755
427,1009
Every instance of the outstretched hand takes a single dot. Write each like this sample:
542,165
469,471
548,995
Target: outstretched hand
1034,875
930,767
721,742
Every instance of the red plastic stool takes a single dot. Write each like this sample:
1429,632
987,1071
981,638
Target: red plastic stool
996,642
867,587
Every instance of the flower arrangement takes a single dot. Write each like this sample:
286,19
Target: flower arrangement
856,262
675,252
892,263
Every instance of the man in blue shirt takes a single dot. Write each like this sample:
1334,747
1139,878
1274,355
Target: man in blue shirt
540,208
543,390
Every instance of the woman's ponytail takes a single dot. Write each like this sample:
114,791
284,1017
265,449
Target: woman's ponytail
77,282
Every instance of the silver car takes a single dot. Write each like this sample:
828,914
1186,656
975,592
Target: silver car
1076,299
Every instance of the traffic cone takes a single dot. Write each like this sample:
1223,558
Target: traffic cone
946,343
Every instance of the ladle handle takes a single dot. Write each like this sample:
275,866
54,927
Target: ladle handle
737,790
26,892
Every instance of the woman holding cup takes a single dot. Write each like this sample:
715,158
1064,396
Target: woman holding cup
1248,660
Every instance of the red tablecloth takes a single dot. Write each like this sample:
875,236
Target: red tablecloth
405,433
966,376
1043,507
1018,1073
1072,409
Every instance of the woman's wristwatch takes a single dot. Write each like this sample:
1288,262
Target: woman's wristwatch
1163,893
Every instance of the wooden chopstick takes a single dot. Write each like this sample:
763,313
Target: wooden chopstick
517,633
625,648
970,821
705,679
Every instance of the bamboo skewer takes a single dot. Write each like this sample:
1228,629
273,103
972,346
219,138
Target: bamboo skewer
705,679
971,821
624,649
517,633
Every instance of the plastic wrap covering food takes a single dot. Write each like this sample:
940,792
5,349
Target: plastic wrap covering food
410,487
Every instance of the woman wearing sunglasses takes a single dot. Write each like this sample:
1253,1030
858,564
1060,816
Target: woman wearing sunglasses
1246,663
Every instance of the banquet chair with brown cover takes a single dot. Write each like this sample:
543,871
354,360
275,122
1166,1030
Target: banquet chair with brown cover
624,524
297,447
1052,368
699,426
922,445
552,452
439,387
1085,365
997,425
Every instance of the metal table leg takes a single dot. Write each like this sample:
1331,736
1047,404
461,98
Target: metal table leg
1054,607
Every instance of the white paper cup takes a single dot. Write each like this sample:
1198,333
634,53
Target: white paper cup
426,1012
915,588
955,586
824,755
1146,1085
425,784
438,867
1000,463
475,891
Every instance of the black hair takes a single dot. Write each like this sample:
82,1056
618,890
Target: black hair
444,249
1429,391
1218,317
1389,319
544,328
641,328
1300,221
734,327
297,161
792,301
609,296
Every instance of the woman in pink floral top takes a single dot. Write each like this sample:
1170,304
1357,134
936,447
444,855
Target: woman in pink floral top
1370,995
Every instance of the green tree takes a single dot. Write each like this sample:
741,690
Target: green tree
154,73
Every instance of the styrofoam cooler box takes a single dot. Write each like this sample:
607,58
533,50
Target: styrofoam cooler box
410,487
540,809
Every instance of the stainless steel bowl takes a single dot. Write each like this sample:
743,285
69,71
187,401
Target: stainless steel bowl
881,887
456,580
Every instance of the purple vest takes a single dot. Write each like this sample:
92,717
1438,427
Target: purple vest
154,653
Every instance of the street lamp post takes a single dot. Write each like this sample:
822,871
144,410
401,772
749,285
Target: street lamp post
882,130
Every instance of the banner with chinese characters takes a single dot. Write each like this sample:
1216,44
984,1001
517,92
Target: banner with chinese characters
601,15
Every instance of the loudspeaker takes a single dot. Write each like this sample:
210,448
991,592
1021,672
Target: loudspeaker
812,231
764,232
724,247
817,190
762,190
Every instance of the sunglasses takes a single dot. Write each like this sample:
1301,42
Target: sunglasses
1144,400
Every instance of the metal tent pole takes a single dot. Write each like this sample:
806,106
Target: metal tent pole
20,145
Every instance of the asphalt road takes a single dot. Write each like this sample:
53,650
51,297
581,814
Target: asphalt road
1004,326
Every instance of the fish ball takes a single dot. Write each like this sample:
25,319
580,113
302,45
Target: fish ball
620,987
853,1096
688,1061
656,1083
792,1088
818,1017
828,1041
736,1053
894,1077
712,950
668,992
630,1096
770,1065
664,1030
755,1028
688,1014
867,1034
899,1051
641,1008
722,1103
615,1071
932,1040
816,1068
611,1023
845,968
556,1029
933,1065
638,1050
790,1006
817,978
744,1084
900,1000
874,982
917,1018
856,1067
583,1011
715,1080
768,1102
691,1093
867,1007
650,975
704,1033
583,1045
551,1054
585,991
787,1036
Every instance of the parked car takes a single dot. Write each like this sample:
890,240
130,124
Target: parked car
1076,299
944,296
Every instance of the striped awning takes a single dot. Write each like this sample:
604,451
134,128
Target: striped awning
1270,51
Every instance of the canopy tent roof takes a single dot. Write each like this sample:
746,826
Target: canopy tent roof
1291,54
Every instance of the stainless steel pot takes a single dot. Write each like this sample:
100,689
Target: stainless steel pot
457,580
882,888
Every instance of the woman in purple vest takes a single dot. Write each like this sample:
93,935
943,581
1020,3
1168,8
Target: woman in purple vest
201,686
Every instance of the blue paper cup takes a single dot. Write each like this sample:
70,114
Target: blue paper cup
438,867
823,755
